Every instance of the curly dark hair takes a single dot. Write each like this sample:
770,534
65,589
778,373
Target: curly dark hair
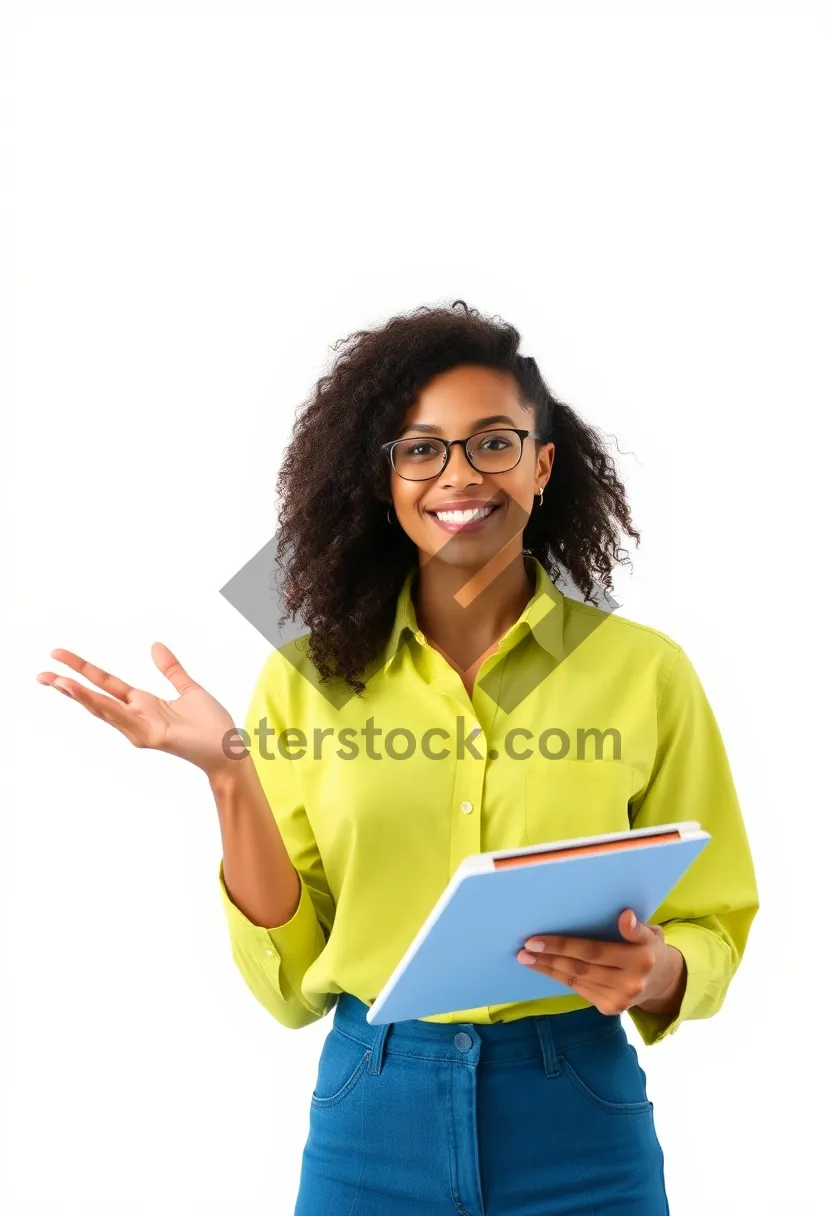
343,565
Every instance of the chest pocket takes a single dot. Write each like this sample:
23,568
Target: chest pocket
576,798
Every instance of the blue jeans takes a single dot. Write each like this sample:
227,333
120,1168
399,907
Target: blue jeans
542,1116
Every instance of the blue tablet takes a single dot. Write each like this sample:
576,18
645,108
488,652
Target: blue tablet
465,954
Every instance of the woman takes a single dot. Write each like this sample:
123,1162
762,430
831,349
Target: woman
446,699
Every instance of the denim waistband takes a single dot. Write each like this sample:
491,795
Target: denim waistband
521,1037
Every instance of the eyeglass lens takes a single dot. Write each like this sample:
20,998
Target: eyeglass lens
490,451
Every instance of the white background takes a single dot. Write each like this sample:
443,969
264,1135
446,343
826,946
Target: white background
200,201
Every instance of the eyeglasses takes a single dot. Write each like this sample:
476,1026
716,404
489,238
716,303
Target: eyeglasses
420,458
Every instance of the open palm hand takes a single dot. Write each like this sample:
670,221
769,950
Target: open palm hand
194,726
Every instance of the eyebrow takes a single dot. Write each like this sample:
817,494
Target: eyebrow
429,428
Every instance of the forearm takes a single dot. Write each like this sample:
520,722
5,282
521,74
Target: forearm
259,875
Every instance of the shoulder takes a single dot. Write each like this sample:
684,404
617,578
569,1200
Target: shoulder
632,642
627,630
290,676
288,666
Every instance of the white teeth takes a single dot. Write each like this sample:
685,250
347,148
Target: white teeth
463,517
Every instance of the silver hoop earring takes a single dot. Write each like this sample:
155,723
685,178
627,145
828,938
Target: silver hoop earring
540,492
389,520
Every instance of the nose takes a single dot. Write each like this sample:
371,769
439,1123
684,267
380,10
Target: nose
458,472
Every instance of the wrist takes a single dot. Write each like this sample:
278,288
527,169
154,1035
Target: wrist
229,771
666,996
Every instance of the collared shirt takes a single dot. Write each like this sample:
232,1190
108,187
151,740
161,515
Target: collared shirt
582,722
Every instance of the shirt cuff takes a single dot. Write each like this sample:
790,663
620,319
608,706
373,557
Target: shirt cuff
702,995
287,950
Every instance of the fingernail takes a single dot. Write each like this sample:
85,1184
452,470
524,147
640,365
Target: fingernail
632,920
536,946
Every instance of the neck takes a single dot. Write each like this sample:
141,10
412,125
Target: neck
465,611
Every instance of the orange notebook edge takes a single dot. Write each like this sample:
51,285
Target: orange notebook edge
580,850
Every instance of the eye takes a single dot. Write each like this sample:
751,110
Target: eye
493,443
417,451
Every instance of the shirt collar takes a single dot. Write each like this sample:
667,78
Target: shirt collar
542,616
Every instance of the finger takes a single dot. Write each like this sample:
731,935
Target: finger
630,979
638,964
634,930
95,675
589,950
51,679
107,708
171,668
574,969
607,1000
598,994
48,679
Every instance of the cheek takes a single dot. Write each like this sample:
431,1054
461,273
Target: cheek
521,486
406,499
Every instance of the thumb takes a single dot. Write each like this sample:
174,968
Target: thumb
632,929
171,668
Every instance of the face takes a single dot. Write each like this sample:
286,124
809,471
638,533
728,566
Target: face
458,403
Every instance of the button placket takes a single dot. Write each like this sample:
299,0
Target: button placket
466,825
469,777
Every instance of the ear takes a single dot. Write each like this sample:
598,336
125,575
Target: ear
546,473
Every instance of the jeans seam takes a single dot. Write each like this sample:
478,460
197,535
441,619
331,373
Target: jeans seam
576,1160
416,1055
449,1077
589,1042
613,1108
360,1185
346,1035
348,1086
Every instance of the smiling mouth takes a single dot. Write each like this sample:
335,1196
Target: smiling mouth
452,521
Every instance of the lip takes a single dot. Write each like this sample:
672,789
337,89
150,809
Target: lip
465,504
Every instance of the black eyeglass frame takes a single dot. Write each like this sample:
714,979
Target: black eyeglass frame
388,447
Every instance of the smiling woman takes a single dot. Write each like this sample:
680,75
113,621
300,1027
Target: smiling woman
432,492
422,542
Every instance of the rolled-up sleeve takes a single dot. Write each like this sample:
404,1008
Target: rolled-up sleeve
274,961
708,915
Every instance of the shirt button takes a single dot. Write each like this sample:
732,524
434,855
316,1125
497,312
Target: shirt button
270,953
462,1041
466,807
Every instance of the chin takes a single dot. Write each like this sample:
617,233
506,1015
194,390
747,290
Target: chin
470,552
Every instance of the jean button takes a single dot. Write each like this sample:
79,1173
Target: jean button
462,1041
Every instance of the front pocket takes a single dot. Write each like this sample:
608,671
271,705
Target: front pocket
607,1073
342,1064
569,798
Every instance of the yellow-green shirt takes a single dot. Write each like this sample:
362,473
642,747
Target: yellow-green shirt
582,722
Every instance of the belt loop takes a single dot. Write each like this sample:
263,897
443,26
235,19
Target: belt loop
547,1046
377,1057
